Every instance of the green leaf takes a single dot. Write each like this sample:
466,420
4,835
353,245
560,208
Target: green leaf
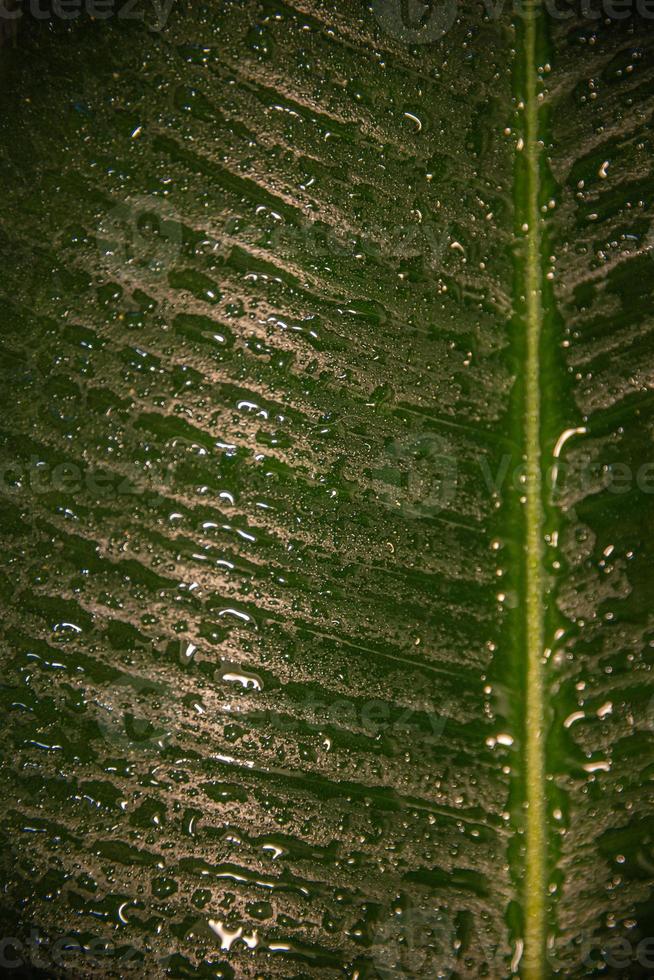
326,491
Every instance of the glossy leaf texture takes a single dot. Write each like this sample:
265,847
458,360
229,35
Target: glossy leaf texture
601,763
264,685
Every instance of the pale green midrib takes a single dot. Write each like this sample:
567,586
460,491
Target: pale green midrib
535,874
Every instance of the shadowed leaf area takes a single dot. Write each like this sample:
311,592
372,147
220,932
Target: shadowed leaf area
326,492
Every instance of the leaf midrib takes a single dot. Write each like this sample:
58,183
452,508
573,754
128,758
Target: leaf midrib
536,832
